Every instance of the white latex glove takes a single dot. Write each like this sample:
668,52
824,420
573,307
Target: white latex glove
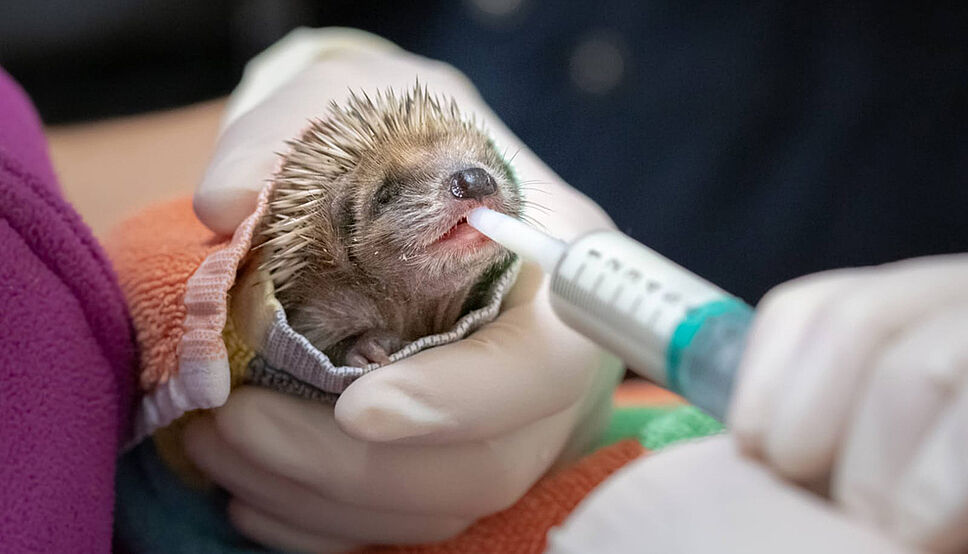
861,376
705,496
418,450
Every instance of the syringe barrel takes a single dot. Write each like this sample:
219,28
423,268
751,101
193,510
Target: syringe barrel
665,322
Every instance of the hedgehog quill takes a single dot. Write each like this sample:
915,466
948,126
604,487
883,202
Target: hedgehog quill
366,239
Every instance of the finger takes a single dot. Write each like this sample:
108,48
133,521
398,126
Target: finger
526,362
274,533
676,502
245,158
931,505
299,439
911,383
834,357
247,151
302,507
783,318
246,154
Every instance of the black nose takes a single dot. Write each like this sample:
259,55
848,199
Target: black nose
472,183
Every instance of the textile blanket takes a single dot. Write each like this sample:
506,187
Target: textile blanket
206,320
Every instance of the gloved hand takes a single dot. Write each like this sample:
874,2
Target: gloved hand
857,375
417,450
861,376
705,496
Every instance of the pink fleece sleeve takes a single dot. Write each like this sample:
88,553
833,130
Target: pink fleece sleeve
66,355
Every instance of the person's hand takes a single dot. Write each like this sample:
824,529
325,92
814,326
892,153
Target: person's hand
861,376
857,377
706,496
418,450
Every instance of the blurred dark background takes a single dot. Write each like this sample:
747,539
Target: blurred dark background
750,142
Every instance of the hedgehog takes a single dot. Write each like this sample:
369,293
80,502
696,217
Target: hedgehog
366,238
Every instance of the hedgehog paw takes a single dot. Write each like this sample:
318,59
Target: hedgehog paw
373,347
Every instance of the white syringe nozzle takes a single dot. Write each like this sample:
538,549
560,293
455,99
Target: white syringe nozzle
518,237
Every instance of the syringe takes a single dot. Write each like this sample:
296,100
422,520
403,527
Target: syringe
666,323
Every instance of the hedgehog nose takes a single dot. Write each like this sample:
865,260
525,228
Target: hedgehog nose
472,183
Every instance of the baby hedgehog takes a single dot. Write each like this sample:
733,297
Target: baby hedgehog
366,238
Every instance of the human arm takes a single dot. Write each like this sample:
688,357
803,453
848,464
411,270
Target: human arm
66,354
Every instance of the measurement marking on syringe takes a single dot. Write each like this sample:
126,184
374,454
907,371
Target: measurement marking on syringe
597,283
578,273
618,293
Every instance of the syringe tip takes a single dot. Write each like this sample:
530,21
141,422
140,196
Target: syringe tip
478,218
518,237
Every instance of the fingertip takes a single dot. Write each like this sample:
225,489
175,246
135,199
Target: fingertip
382,413
205,205
746,437
222,209
360,419
804,465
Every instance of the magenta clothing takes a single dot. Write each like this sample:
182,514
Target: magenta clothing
66,354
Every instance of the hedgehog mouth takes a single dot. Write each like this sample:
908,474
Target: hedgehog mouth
449,233
460,235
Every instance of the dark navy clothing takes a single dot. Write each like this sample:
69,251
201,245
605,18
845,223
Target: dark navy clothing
751,143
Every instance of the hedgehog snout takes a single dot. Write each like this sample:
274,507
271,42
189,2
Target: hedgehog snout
472,183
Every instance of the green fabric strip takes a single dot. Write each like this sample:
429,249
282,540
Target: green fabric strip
656,427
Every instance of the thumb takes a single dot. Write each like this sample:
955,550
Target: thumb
246,156
526,362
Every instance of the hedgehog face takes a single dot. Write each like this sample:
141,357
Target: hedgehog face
407,217
381,188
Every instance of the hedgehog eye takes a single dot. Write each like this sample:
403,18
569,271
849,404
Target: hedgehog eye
346,219
386,192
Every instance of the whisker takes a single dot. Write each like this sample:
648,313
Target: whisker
534,223
537,207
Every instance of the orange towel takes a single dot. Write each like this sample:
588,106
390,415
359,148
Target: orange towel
523,527
154,254
175,275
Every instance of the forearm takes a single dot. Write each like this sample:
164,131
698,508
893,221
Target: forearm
111,169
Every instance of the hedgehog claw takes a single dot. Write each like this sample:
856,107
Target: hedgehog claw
373,347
